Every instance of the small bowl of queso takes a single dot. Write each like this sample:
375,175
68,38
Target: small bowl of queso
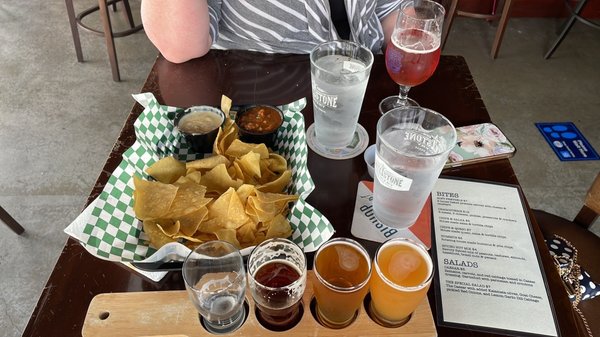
259,123
200,126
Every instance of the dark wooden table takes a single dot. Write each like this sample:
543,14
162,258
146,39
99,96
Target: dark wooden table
249,77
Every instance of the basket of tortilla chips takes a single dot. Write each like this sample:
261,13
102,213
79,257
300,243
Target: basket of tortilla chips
243,193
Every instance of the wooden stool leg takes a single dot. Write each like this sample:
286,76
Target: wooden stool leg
567,28
74,29
110,41
128,14
501,28
448,22
11,222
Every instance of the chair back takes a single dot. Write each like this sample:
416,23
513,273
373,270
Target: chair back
591,207
592,199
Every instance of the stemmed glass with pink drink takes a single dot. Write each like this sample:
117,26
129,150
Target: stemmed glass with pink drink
413,53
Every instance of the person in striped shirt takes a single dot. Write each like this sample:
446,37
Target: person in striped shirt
186,29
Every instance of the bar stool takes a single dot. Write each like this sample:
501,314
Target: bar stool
11,222
107,31
575,15
506,7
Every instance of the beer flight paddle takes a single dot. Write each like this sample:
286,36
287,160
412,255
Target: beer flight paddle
171,313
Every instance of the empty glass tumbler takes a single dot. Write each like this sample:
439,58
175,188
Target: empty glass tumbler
215,279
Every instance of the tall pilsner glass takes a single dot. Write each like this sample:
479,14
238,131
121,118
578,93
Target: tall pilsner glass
413,144
339,75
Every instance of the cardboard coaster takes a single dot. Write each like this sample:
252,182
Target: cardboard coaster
366,226
358,144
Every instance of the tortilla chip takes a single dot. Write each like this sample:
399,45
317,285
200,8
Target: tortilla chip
152,199
194,176
229,210
189,198
227,134
279,227
228,235
238,148
278,185
277,163
207,163
191,222
156,236
246,234
250,164
245,191
168,227
219,180
238,173
167,170
267,205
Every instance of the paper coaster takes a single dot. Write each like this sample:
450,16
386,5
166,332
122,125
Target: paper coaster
359,143
366,226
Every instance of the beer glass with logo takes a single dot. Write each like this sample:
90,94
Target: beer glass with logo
215,279
342,269
413,144
339,73
277,279
403,273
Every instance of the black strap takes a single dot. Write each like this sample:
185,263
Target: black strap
340,18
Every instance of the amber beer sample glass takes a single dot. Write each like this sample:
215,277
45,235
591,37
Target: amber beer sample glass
342,268
277,279
403,273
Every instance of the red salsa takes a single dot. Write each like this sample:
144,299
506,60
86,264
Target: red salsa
260,119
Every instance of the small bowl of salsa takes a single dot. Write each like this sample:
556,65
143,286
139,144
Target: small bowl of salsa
200,126
259,123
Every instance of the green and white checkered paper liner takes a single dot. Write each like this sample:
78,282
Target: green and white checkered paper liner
112,231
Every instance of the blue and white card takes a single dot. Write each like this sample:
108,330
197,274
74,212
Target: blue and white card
567,142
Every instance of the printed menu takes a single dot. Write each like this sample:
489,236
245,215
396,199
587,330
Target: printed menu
489,275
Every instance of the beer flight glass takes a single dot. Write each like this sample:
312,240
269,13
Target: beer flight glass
277,279
413,53
215,279
402,276
342,270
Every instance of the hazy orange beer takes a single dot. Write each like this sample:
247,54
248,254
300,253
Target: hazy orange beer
403,273
342,268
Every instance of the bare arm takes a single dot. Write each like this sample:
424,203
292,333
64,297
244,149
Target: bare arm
178,28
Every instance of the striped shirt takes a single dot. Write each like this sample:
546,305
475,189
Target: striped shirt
293,26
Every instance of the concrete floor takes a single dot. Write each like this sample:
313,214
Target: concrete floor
59,118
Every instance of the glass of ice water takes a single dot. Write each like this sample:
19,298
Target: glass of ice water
339,75
215,279
413,144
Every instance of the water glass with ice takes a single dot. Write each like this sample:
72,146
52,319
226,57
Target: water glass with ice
215,279
413,144
339,75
